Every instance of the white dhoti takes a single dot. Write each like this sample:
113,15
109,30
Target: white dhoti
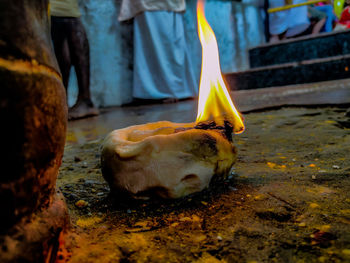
292,21
278,21
162,68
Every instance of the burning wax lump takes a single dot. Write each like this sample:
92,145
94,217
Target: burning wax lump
164,159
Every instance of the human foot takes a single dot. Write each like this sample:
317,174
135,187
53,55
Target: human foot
82,109
170,100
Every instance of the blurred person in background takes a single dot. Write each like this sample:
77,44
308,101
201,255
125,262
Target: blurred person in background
287,23
162,68
331,18
72,49
294,22
317,18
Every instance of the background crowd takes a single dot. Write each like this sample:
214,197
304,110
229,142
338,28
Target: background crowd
148,49
312,18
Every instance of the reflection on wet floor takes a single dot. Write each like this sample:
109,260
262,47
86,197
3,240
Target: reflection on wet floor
323,93
81,131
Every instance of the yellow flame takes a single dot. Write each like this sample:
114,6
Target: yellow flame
214,99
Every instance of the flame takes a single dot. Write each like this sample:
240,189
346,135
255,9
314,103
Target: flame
214,99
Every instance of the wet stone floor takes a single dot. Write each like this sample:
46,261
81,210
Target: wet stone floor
286,200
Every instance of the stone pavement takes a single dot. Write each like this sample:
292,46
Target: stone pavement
287,199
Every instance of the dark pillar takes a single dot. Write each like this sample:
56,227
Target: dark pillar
266,21
33,115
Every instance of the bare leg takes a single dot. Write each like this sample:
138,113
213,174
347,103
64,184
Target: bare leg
274,39
60,42
318,26
79,50
277,38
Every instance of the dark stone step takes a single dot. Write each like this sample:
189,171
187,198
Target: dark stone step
300,49
291,73
325,93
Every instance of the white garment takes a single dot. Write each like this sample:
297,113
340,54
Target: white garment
294,20
162,68
130,8
278,21
64,8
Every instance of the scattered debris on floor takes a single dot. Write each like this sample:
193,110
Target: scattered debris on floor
287,200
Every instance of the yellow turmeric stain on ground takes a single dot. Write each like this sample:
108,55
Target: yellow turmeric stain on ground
207,258
314,205
275,165
88,222
325,228
330,122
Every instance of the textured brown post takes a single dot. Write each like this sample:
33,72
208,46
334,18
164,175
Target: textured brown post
33,115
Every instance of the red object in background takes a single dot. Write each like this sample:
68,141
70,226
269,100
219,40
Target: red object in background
345,17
